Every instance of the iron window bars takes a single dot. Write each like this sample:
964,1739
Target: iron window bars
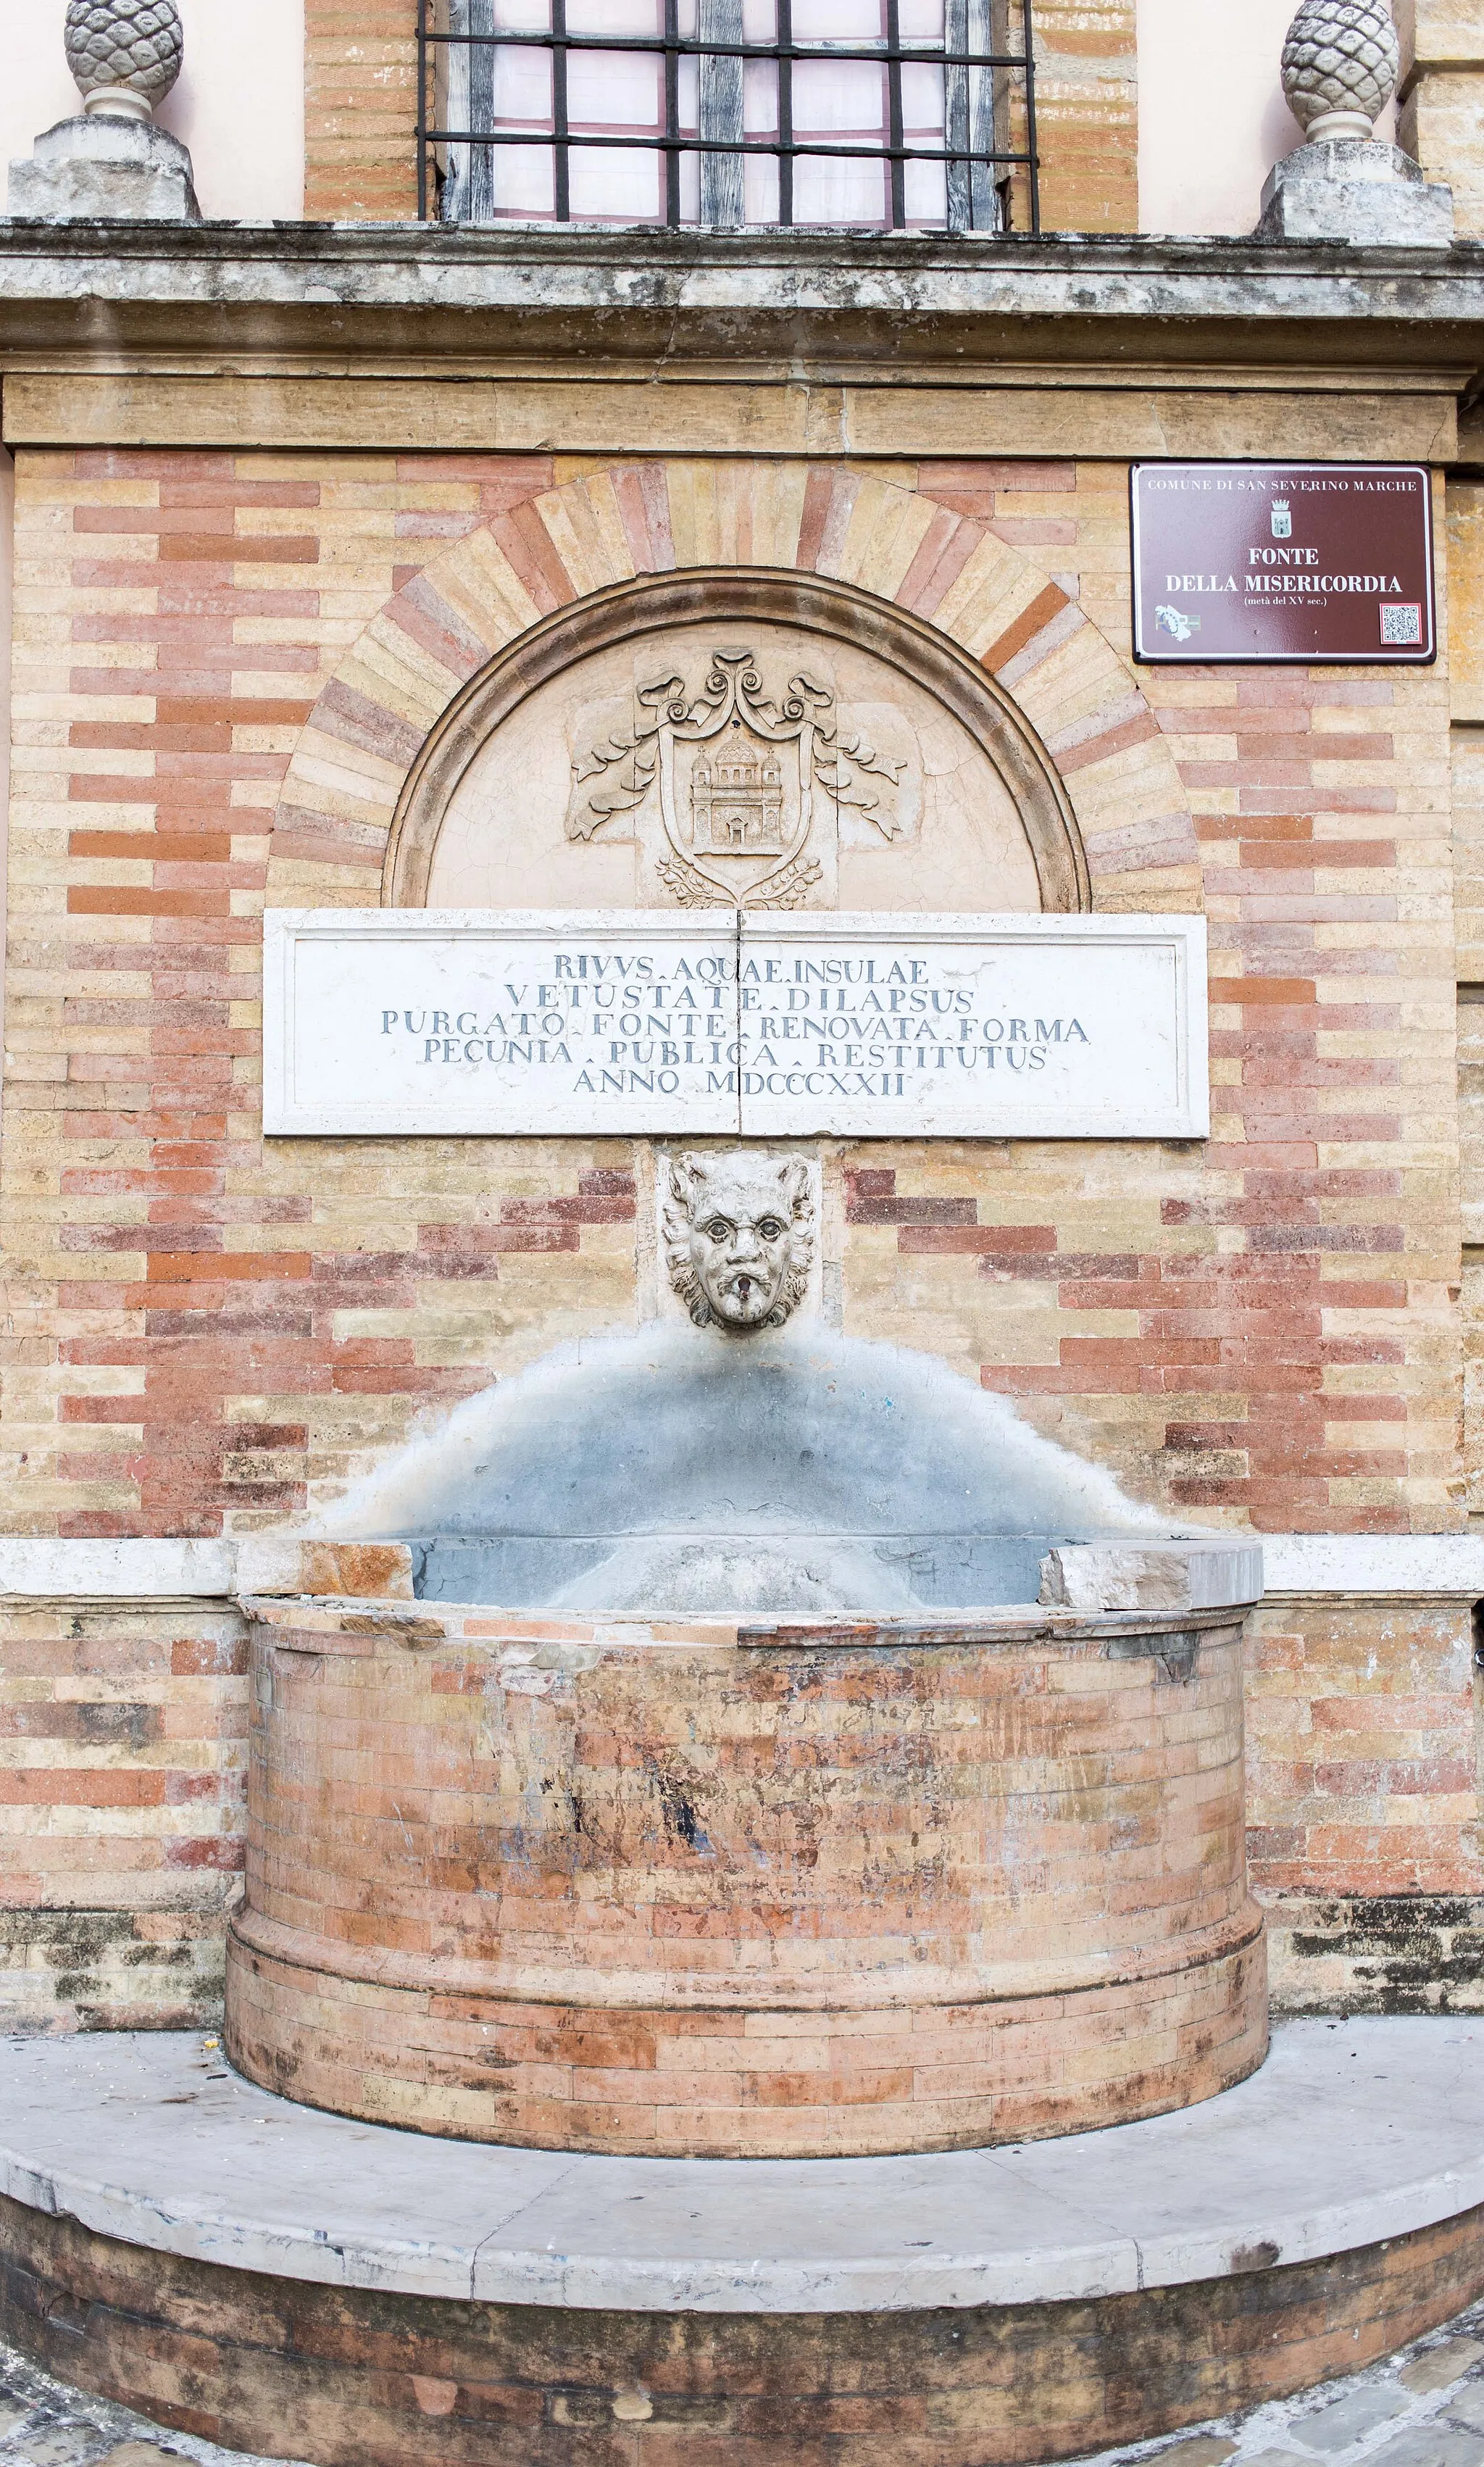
721,127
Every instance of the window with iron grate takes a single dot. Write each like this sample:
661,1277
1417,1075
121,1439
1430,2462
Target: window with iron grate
876,115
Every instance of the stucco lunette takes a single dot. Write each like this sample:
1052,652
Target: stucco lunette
1079,696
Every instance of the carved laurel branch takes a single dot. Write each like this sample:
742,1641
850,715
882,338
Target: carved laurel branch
626,765
689,886
790,887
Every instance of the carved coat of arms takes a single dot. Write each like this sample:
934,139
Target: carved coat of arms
739,776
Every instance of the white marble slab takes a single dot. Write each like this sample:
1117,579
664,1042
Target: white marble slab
116,1571
877,1026
1404,1567
1352,2131
406,1023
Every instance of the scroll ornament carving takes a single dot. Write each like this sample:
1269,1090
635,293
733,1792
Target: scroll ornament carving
750,796
739,1239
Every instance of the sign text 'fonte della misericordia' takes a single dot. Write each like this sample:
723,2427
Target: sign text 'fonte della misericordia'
1274,562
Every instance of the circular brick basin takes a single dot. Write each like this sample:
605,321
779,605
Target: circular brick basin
745,1892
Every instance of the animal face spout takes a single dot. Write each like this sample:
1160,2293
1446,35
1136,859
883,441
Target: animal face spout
739,1237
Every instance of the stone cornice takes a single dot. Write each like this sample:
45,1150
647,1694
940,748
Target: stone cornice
338,297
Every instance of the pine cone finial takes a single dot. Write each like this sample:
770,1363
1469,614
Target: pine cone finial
126,55
1340,65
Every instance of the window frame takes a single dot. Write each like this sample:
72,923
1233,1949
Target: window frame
979,55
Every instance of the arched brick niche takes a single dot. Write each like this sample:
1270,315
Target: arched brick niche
1070,728
909,653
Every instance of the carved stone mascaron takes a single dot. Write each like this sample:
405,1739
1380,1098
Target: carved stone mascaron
739,1239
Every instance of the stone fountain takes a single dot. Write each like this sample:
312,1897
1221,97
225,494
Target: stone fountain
776,1748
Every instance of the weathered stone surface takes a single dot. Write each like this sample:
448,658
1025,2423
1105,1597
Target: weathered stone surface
1377,1953
1352,189
758,306
270,1564
1156,1575
99,169
593,1885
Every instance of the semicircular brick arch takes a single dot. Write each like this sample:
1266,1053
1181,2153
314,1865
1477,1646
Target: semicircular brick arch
1078,698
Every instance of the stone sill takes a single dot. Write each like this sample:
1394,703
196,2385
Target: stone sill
1401,1567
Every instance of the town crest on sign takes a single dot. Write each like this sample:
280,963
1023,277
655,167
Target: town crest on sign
738,775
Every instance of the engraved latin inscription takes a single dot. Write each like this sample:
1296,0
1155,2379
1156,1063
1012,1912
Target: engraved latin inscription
765,1028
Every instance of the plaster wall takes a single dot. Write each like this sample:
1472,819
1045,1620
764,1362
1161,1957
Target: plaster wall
239,104
1212,120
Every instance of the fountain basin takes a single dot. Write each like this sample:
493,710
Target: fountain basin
673,1470
729,1888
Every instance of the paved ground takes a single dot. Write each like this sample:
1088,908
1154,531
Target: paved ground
1424,2407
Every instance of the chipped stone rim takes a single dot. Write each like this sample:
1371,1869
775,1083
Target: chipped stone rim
326,1623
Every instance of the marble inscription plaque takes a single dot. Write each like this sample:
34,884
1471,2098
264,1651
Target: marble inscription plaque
399,1023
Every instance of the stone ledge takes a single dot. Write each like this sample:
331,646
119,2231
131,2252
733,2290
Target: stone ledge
124,1570
717,305
1398,1567
1386,1567
1352,2134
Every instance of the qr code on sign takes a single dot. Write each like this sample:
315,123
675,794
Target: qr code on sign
1401,621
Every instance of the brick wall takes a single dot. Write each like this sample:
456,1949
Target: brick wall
1466,665
1087,106
123,1757
1362,1792
1441,119
1261,1330
360,110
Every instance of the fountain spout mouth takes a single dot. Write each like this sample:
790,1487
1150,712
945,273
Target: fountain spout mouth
739,1239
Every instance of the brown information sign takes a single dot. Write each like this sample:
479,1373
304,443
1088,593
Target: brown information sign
1274,561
